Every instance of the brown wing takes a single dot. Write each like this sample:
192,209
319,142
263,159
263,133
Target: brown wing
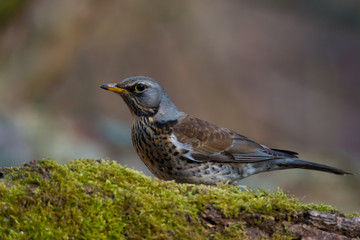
213,143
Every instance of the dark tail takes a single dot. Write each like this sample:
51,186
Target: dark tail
289,163
296,163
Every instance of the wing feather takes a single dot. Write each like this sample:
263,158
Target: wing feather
213,143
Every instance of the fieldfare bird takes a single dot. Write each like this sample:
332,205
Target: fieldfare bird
177,146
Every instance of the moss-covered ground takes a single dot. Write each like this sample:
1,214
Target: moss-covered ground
100,199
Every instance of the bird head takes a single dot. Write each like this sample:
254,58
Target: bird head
145,97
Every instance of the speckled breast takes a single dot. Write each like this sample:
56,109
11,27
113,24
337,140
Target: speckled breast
152,142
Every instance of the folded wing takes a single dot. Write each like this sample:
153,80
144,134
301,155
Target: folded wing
213,143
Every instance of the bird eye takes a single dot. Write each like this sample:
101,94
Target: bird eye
140,87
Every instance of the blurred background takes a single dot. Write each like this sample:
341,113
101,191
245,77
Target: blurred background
284,73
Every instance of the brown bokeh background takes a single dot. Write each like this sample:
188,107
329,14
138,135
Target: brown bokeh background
284,73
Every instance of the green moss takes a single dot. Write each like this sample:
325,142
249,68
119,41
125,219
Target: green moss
352,214
91,199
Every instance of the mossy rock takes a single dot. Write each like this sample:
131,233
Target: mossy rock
100,199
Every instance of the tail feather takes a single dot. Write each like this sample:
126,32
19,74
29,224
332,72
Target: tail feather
289,163
297,163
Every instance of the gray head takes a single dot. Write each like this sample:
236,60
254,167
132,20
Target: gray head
145,97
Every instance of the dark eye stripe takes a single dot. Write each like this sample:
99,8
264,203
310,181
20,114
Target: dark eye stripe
130,88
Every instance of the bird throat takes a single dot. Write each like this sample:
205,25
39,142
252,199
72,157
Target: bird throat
138,110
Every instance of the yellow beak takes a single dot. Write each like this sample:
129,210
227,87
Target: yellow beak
112,87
